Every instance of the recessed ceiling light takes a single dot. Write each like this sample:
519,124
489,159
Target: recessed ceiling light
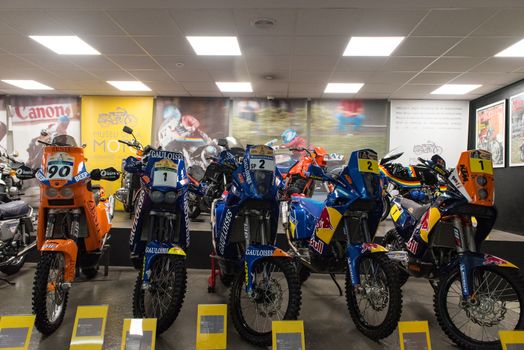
515,50
132,85
372,46
343,88
263,22
455,89
66,45
215,45
28,84
234,86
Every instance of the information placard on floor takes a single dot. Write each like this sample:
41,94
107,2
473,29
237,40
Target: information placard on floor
414,335
15,332
288,335
512,340
139,334
89,328
211,327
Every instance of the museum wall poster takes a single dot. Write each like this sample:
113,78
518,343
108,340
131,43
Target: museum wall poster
191,126
516,130
345,125
41,118
103,118
490,131
279,123
422,128
3,125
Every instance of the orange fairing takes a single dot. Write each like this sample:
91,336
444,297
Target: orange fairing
77,195
320,156
473,177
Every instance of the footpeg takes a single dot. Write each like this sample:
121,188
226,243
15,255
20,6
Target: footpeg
65,286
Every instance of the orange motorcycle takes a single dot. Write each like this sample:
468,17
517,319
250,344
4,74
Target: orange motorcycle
73,226
296,179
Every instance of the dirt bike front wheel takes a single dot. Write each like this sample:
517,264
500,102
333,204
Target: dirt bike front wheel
164,296
376,304
276,296
50,292
498,304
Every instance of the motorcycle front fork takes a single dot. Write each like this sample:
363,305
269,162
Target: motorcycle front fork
357,233
465,246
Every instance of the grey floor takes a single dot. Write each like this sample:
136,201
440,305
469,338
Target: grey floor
326,319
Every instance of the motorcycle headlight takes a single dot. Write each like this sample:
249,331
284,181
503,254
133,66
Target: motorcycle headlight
262,179
482,181
66,192
156,196
170,197
482,193
51,192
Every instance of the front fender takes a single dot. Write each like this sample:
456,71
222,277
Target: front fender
354,253
255,253
491,260
153,250
70,250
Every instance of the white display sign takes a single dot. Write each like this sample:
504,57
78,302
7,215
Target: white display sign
422,128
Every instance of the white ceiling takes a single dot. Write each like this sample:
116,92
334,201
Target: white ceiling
303,51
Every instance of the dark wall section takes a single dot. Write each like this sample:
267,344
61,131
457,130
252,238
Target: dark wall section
509,181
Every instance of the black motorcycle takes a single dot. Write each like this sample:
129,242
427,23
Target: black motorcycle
206,186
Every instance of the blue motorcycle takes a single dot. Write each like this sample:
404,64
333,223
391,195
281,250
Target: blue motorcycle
159,234
336,235
265,285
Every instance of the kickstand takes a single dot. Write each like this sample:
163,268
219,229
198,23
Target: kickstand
7,281
215,271
107,251
332,275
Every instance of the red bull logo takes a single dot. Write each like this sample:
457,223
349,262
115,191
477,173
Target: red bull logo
324,222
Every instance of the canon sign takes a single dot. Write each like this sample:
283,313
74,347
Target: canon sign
43,112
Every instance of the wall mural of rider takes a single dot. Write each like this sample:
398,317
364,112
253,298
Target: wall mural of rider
191,126
41,118
516,130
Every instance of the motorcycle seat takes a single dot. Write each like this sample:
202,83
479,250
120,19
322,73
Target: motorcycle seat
13,209
414,209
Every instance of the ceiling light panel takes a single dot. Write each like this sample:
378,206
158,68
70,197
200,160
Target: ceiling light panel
455,89
343,88
65,45
234,86
215,45
28,84
129,85
515,50
372,46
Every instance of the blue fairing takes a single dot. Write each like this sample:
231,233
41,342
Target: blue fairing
253,184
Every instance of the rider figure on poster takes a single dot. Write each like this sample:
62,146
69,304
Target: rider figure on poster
350,112
290,139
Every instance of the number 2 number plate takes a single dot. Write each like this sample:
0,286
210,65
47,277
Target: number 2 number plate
262,164
368,166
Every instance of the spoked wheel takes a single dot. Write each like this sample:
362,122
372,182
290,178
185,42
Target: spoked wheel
394,242
49,292
376,304
497,305
386,206
163,297
276,296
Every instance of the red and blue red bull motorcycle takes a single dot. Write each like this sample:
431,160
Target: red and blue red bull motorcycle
159,234
476,295
334,236
244,225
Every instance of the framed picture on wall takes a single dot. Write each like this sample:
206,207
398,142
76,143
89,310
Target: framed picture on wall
490,131
516,130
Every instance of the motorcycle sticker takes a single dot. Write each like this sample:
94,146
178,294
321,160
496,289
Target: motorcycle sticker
483,166
367,162
165,173
327,223
261,150
60,166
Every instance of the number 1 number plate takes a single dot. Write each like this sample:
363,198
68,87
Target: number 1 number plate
484,166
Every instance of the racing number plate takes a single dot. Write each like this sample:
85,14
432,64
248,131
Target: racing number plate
368,166
484,166
261,163
395,213
60,166
165,173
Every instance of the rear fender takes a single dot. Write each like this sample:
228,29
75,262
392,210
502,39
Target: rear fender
153,250
355,252
70,250
255,253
